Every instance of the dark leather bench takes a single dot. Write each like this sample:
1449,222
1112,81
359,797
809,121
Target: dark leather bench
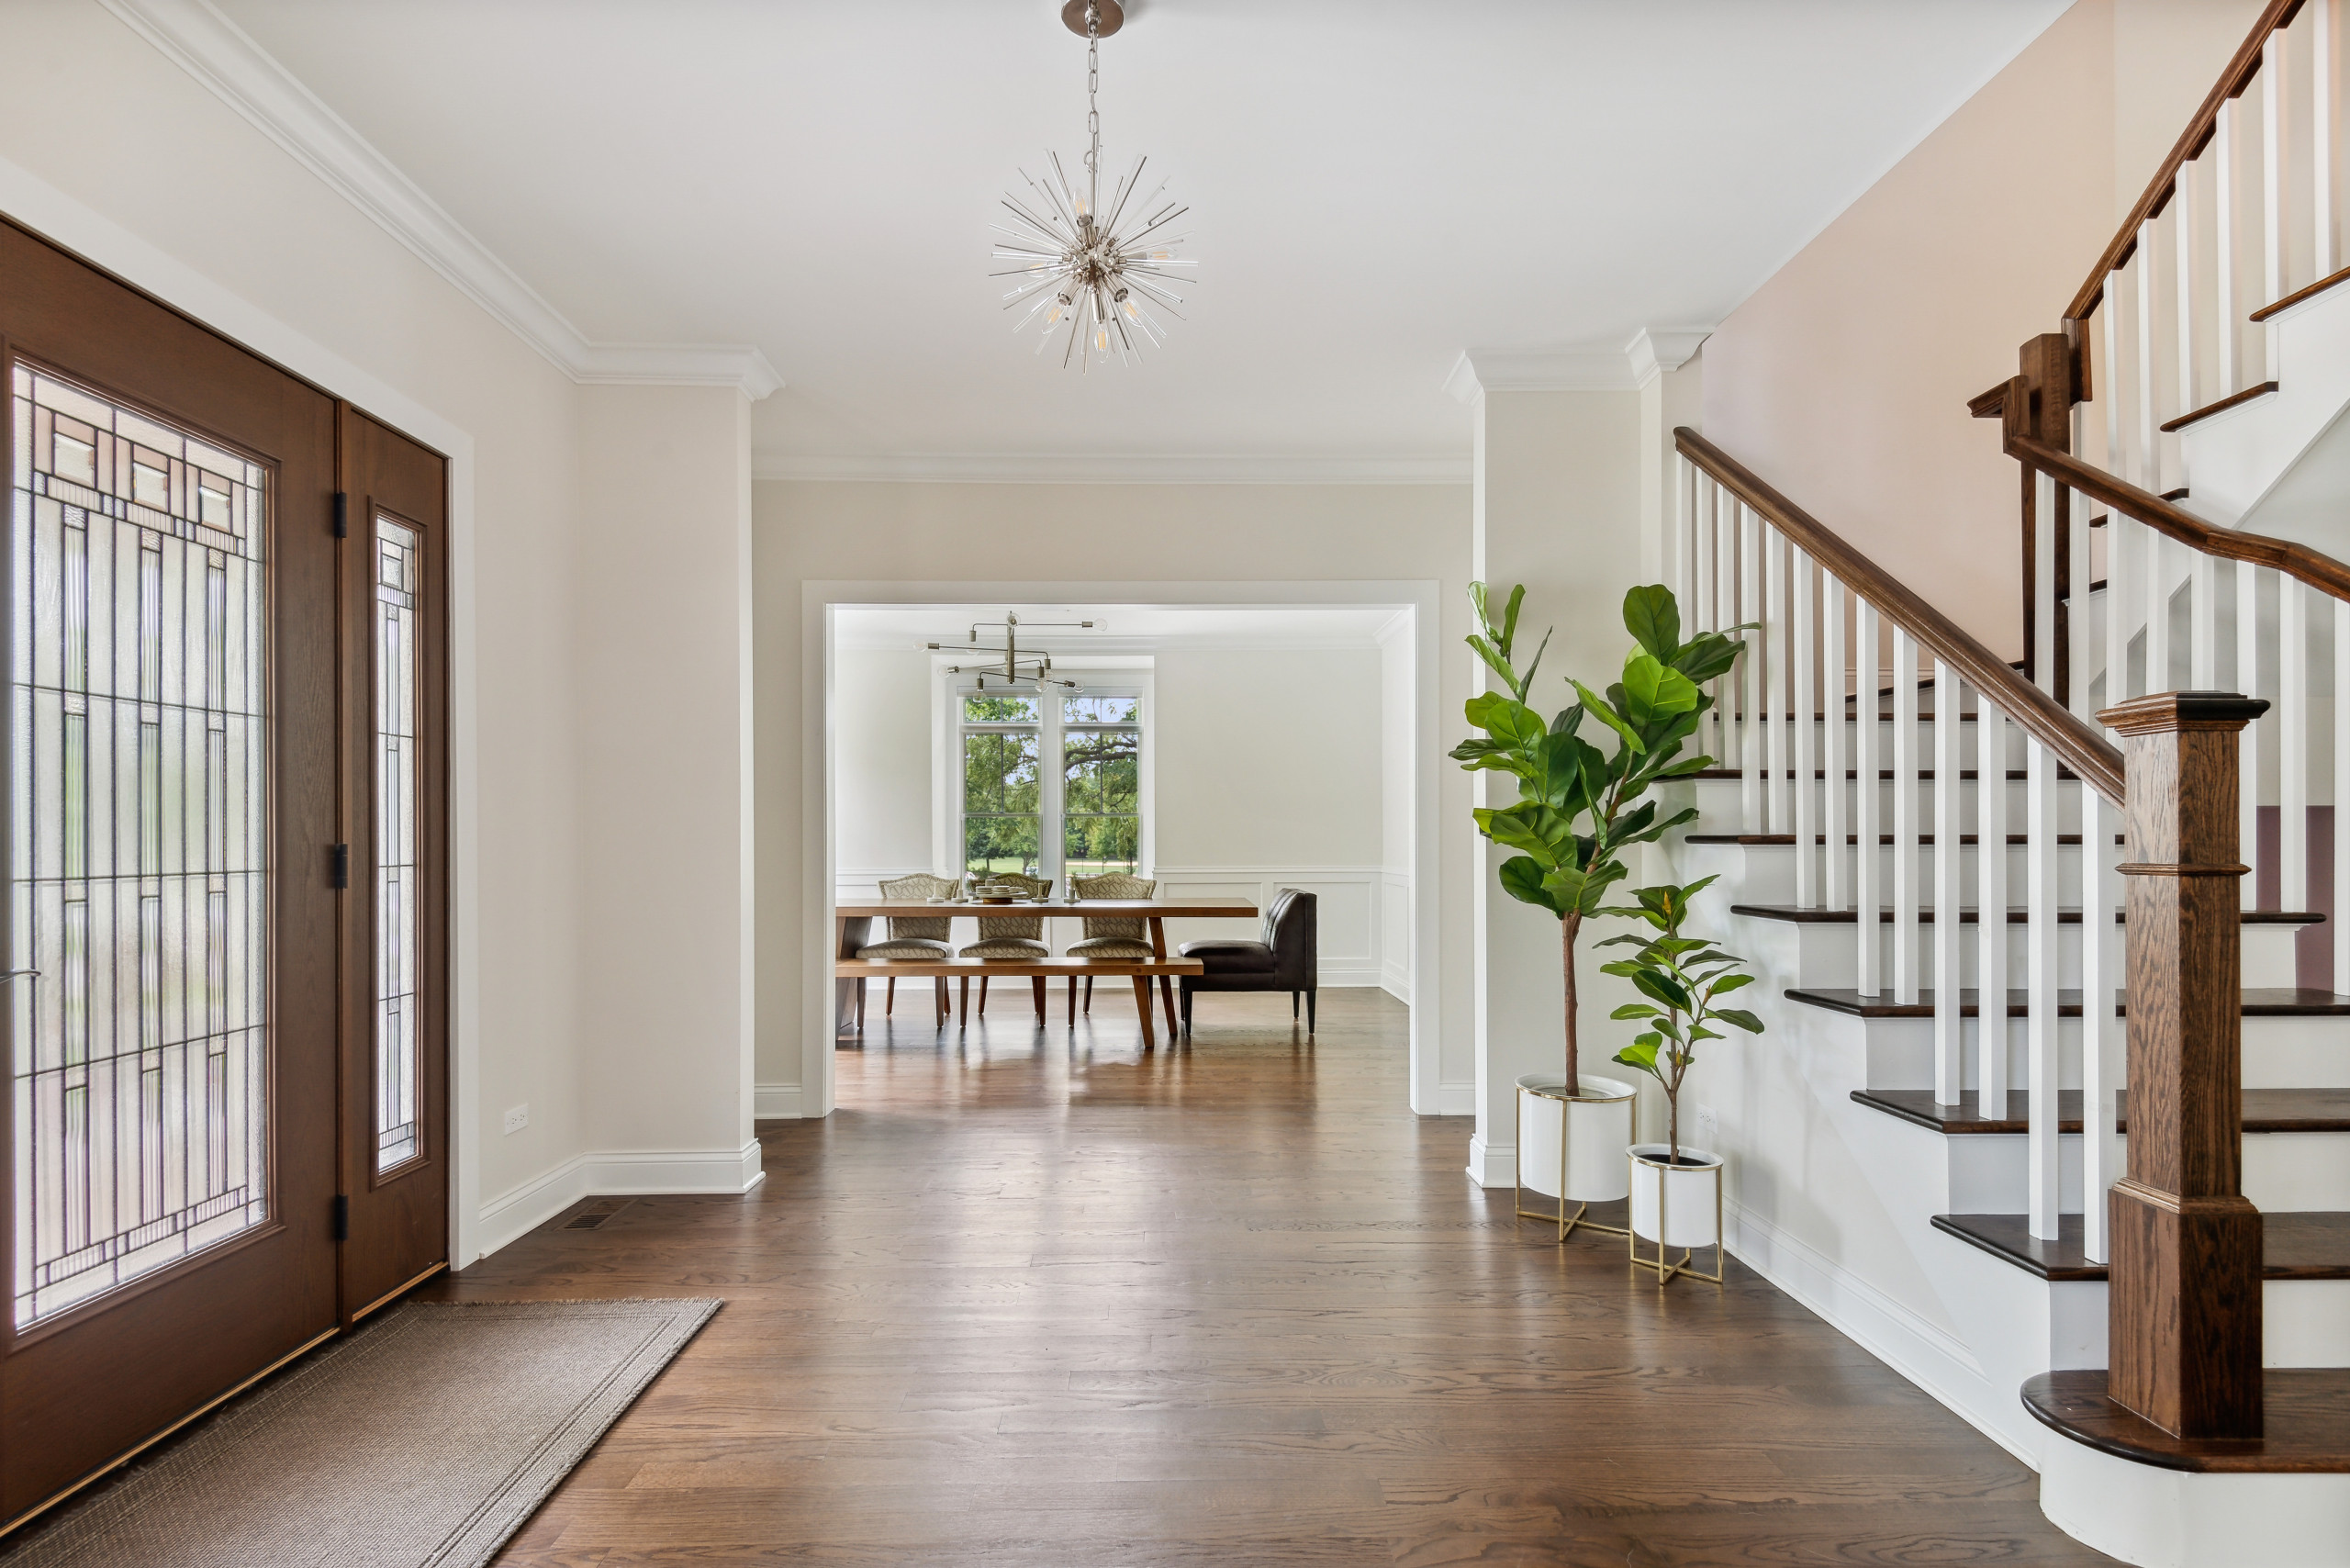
1286,958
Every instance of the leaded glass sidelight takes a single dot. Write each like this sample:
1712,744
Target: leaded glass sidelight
397,641
138,871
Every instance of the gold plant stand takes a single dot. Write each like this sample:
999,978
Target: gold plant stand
1666,1270
1567,1224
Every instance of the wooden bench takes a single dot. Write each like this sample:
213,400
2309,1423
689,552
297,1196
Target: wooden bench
1143,971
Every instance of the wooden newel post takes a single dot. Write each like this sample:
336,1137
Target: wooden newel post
2183,1314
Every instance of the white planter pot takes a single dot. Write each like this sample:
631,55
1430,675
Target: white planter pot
1690,1195
1597,1124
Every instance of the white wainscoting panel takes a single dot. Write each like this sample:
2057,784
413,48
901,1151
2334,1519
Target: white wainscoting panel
1394,933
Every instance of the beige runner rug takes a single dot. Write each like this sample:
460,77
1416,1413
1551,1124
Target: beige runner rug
424,1440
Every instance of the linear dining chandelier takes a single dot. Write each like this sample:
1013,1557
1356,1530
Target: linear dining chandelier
1009,667
1090,283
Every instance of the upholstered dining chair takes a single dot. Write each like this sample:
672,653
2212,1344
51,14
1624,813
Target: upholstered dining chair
1110,937
918,937
1017,937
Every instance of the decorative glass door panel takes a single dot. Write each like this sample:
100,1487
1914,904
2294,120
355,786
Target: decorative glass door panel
397,582
139,853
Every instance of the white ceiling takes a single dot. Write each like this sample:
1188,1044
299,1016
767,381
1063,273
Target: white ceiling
1117,628
1376,184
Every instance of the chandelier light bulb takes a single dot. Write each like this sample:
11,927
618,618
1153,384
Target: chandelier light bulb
1099,272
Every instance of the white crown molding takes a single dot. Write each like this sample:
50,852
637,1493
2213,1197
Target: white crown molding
1107,468
240,72
1652,349
1655,349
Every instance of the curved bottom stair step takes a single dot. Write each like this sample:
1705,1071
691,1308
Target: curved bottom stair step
2259,1002
2294,1245
2306,1417
1797,915
2264,1110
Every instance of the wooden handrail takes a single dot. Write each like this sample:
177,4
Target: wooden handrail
2077,742
2242,68
2299,562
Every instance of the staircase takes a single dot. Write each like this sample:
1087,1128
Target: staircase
1905,827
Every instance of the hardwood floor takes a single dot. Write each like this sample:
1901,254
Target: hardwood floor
1040,1299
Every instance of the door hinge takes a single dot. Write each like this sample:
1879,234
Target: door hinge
342,1217
338,866
341,514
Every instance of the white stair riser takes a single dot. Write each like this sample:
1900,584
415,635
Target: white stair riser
2296,1053
2303,1323
1770,873
1721,800
2283,1172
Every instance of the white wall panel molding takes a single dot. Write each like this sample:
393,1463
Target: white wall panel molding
615,1173
241,74
1110,468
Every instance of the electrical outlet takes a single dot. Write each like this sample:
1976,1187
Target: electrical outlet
1709,1128
518,1118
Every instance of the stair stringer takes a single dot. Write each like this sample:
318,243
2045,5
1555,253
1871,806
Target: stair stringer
1832,1201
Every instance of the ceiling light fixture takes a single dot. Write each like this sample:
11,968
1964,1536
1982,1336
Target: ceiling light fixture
1014,670
1076,268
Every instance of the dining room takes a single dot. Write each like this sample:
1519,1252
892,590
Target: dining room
1109,829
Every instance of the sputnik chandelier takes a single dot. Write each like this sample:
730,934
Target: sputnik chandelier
1009,667
1078,271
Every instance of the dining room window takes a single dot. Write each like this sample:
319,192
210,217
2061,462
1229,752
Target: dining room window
1051,782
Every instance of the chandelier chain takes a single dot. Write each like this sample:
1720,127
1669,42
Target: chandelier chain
1093,109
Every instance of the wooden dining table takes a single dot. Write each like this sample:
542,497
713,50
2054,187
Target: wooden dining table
852,923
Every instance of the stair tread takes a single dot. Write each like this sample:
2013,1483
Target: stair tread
2259,1002
2015,775
1800,916
2264,1110
2305,1424
2014,839
2294,1245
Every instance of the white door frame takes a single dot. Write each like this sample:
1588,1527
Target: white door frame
818,601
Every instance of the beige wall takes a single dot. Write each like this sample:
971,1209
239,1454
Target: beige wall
594,985
1096,536
1843,380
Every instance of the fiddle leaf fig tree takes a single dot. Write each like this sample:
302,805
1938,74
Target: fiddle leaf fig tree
1682,980
1579,808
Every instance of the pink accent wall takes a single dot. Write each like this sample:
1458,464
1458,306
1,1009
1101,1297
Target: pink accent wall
1843,380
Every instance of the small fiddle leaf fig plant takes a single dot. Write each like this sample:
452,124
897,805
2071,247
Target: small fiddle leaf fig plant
1579,809
1682,979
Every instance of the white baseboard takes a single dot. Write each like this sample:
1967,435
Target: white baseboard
1491,1164
1396,981
1349,972
775,1103
1457,1098
1922,1351
615,1173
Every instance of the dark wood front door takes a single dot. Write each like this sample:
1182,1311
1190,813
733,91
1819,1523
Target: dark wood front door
203,1101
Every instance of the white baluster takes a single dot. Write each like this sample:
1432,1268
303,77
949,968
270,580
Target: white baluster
1750,700
2247,577
2229,313
2203,623
2043,582
2155,579
2149,466
1836,814
2292,716
1778,715
2272,173
2101,1048
1905,786
1868,760
2182,281
1806,632
2084,646
1726,703
2324,117
1684,537
1949,1036
1699,603
2116,455
1991,905
2339,921
2043,1057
